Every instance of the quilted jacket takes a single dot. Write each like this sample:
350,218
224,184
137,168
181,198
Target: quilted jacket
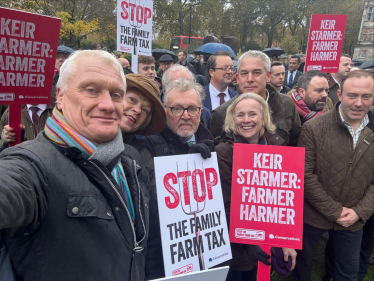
336,175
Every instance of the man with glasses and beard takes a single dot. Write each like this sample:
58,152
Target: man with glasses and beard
311,98
184,133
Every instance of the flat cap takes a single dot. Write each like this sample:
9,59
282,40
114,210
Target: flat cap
166,58
64,49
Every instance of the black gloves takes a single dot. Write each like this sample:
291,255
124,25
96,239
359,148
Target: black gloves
204,147
256,253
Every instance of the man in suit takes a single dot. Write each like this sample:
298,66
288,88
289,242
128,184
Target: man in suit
220,69
292,74
277,77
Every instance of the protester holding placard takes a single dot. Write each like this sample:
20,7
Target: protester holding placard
247,121
184,134
339,179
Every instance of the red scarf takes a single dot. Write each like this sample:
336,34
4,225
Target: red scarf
302,108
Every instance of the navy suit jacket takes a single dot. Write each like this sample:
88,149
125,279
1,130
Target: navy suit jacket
207,101
298,74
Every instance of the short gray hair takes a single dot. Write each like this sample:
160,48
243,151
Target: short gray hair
256,54
69,68
183,85
166,77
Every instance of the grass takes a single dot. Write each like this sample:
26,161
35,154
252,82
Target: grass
319,267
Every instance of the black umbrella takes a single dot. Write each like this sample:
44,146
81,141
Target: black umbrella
357,63
369,64
274,51
190,58
157,53
299,55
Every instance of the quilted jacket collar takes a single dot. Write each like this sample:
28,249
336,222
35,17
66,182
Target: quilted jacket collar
339,121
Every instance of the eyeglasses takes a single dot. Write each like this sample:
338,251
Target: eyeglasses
226,68
179,111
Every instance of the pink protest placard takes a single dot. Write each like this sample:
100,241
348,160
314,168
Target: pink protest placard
28,45
267,196
325,42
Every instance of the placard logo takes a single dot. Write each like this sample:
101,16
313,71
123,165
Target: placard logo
6,97
251,234
314,67
183,270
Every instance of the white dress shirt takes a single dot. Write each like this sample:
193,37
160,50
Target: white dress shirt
214,98
41,107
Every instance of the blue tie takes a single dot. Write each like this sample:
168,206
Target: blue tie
290,80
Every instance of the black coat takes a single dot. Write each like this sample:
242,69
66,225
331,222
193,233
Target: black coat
63,217
167,143
164,144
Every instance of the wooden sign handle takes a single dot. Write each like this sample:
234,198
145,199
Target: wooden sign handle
15,121
263,272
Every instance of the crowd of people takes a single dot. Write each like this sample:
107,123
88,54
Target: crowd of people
78,198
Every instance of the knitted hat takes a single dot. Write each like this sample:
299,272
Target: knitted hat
151,90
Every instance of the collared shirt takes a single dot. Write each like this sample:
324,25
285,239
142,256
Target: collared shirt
192,140
42,107
214,96
267,98
293,75
355,135
336,81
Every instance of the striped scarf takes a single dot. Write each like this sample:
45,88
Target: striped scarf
303,109
58,130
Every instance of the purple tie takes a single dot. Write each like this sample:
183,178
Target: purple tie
221,98
35,117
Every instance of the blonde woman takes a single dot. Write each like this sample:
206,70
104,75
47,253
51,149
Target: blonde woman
247,121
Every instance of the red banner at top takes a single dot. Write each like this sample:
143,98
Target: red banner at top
28,46
267,195
326,36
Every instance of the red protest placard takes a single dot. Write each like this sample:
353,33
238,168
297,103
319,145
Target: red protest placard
28,45
325,42
267,195
28,48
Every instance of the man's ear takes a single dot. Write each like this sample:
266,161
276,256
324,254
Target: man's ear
301,92
59,99
211,72
268,77
339,94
